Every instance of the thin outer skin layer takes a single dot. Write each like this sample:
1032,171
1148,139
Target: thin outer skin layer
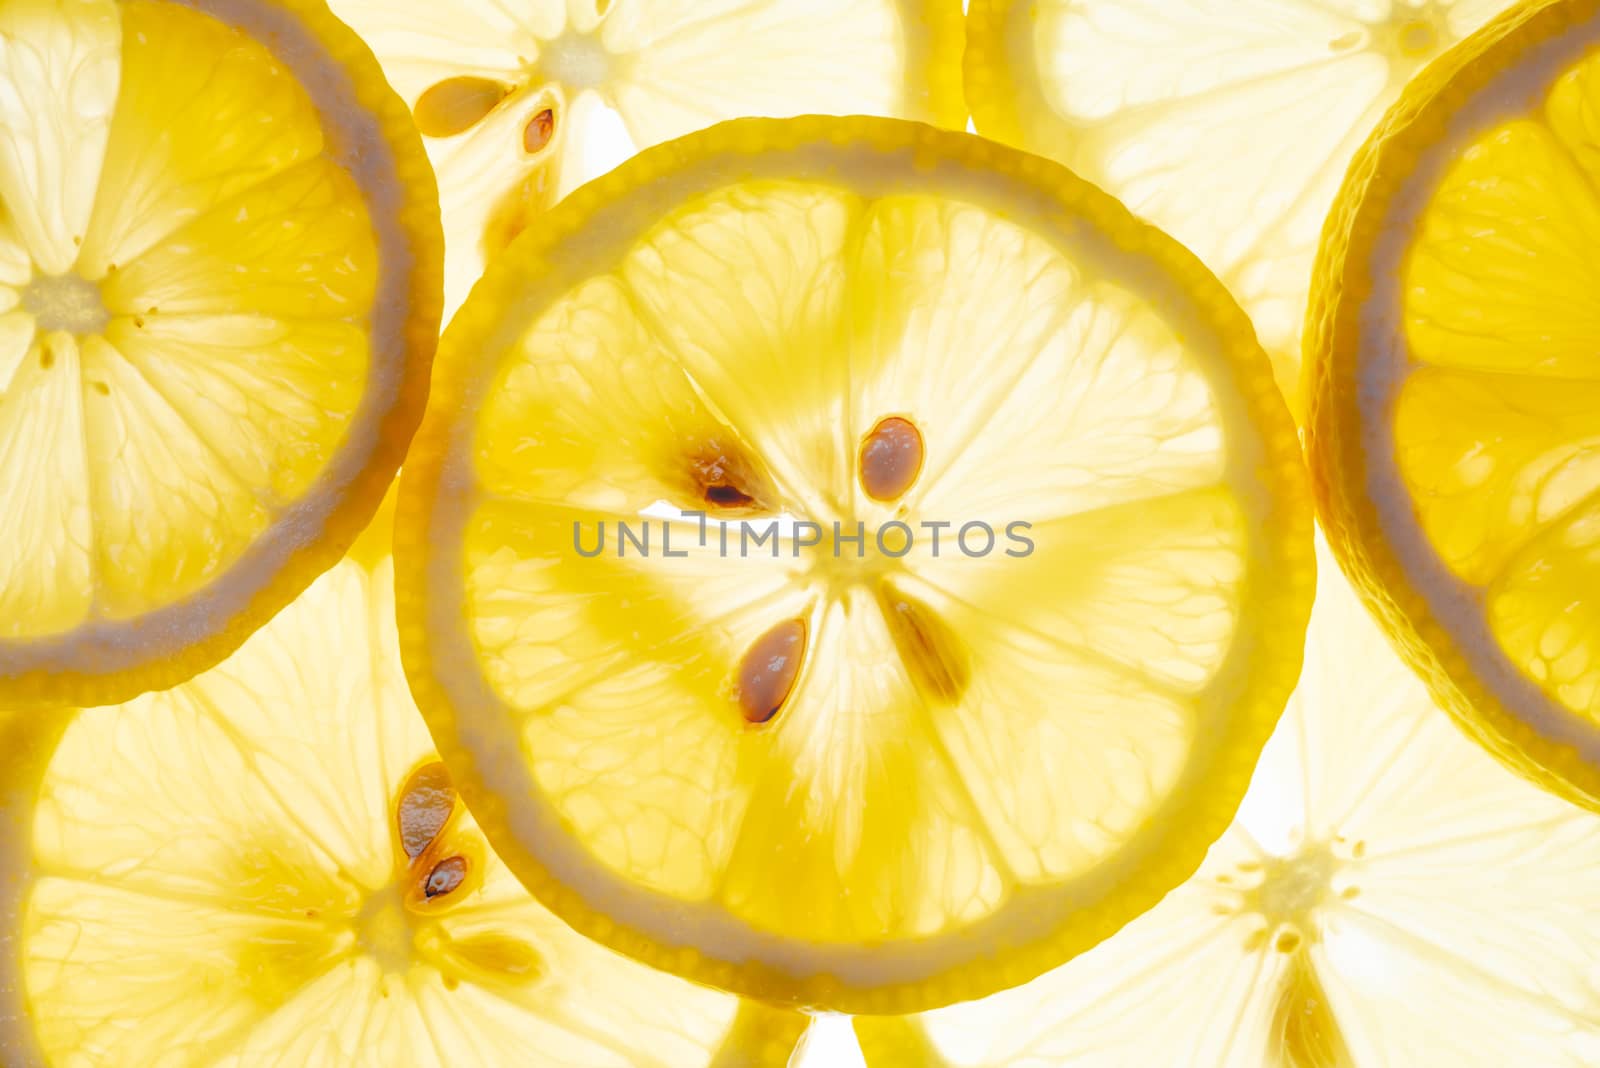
26,741
113,665
1339,466
530,273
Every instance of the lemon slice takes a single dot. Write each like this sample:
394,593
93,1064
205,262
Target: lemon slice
521,103
1455,376
268,865
219,274
846,765
1389,895
1228,123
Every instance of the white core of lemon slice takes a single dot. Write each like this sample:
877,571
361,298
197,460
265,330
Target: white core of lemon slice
218,262
1389,895
987,759
215,875
617,76
1228,123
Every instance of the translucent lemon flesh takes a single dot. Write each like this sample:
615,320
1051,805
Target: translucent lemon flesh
1389,895
521,103
1228,123
1008,742
1455,438
236,872
215,268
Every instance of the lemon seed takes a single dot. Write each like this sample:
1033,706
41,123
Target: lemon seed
455,105
891,459
539,130
446,876
424,806
934,657
727,482
768,670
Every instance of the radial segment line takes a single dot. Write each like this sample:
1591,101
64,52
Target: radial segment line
946,762
249,755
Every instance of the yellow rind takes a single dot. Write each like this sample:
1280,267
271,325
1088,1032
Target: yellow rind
324,542
26,742
530,272
1339,469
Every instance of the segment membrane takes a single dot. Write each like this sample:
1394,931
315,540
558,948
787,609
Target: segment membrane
1540,609
46,522
1492,458
1495,435
1496,280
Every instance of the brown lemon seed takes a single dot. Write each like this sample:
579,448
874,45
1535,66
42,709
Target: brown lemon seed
424,806
455,105
727,482
446,876
891,459
934,657
768,670
539,130
727,496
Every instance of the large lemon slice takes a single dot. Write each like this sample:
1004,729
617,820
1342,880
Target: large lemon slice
219,273
1389,895
268,866
521,103
1453,433
1228,123
798,748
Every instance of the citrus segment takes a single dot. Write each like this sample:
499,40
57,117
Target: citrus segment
1452,437
233,119
1387,895
279,870
61,67
1226,122
218,256
725,709
521,104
